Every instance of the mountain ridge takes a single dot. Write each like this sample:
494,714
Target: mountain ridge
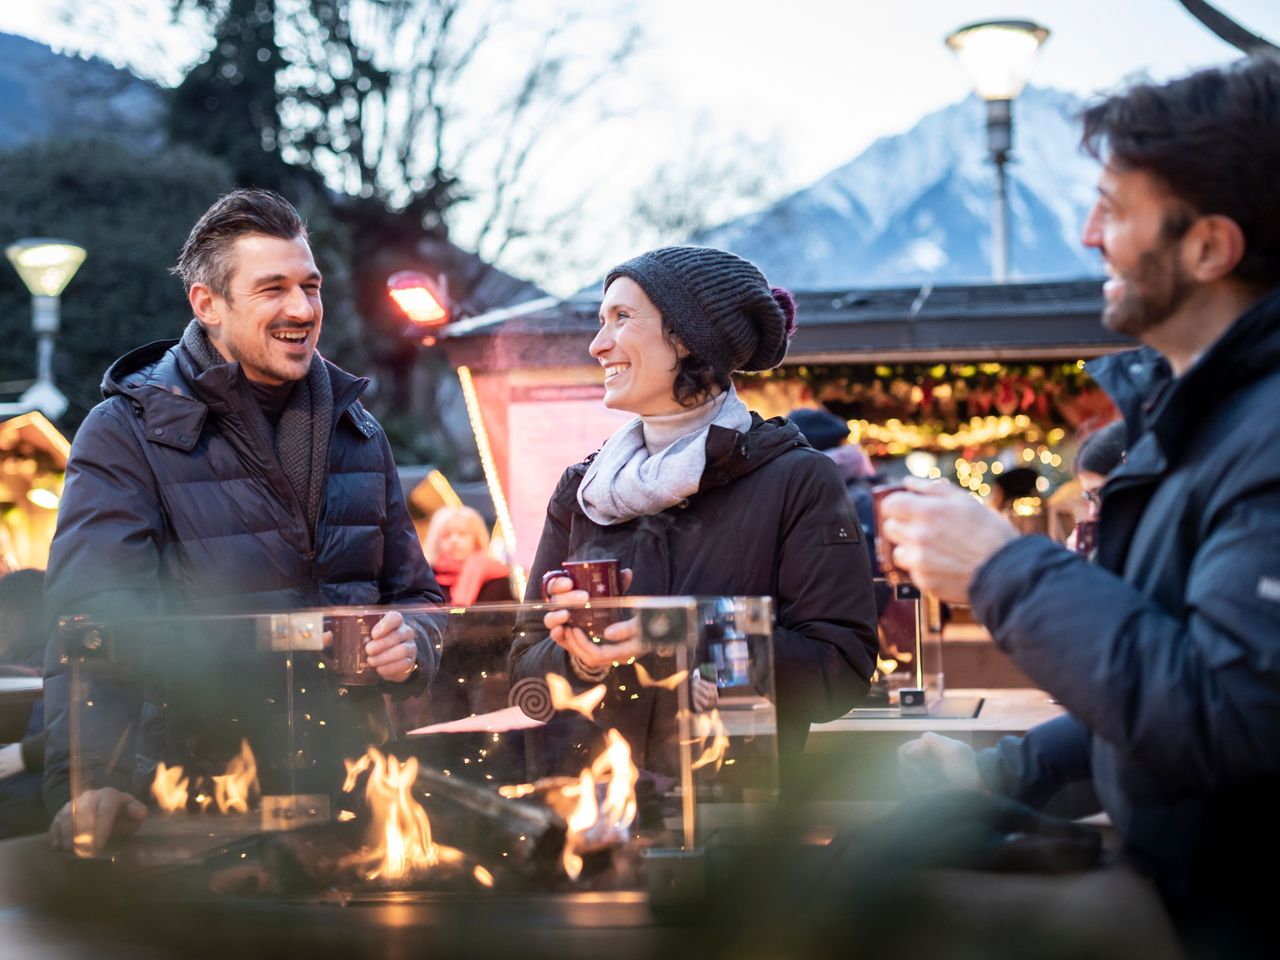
916,207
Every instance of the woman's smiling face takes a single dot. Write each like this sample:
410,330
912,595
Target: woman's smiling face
638,359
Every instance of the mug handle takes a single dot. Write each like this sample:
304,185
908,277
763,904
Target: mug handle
548,577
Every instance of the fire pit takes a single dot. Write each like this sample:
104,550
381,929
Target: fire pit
273,781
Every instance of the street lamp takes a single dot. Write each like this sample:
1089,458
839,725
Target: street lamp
46,266
998,55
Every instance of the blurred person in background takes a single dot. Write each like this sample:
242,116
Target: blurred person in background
829,434
22,644
456,545
1100,453
471,677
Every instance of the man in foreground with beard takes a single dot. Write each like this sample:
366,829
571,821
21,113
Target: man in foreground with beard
1166,653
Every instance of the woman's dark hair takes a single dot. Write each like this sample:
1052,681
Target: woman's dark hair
1213,139
1103,450
696,379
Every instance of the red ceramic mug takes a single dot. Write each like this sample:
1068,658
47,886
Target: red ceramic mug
600,579
1086,537
349,634
884,547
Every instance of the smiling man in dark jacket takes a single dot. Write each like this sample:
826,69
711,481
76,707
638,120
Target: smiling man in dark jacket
1167,652
232,471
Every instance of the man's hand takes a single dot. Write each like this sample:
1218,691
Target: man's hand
704,693
941,536
10,760
392,648
622,640
935,762
100,814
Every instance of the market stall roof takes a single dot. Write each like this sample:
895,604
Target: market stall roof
928,323
33,429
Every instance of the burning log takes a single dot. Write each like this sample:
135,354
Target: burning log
524,837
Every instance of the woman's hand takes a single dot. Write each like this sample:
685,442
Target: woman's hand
590,659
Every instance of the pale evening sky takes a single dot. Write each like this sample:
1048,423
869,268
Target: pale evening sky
817,79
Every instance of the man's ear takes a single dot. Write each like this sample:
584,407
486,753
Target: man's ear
1213,247
204,304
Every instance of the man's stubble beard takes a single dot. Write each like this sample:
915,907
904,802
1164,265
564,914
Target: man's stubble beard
1154,291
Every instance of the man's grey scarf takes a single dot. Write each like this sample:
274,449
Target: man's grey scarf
652,463
302,436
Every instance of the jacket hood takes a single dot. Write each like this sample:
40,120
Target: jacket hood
731,454
173,396
1143,386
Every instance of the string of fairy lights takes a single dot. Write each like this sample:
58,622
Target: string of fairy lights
965,422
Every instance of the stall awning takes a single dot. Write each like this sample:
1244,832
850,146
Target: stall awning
926,324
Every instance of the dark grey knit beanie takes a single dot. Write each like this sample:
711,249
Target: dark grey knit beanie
719,305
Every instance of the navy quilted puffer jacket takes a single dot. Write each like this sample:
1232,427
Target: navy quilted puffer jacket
176,504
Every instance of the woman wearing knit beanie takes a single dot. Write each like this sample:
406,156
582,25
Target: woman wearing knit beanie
697,495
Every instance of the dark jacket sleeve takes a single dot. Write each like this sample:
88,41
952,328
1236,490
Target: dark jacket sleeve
1036,769
406,579
104,562
533,652
825,641
1197,700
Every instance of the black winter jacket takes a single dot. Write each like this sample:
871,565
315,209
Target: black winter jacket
1167,652
771,518
175,504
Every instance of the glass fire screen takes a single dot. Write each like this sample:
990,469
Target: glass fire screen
272,761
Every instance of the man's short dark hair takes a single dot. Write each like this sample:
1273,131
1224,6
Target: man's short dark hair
205,257
1213,140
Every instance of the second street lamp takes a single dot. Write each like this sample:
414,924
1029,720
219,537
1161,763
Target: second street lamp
998,55
46,267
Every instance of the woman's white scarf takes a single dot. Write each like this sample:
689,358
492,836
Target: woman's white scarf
652,463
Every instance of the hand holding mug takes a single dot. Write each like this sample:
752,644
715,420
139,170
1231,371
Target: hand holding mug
591,655
941,536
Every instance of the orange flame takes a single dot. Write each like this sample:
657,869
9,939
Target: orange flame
562,696
666,683
592,824
231,790
169,788
517,790
399,839
709,725
886,667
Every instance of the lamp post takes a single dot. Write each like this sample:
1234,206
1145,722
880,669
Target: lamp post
46,266
998,55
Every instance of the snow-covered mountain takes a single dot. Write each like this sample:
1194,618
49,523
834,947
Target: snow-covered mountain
917,206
